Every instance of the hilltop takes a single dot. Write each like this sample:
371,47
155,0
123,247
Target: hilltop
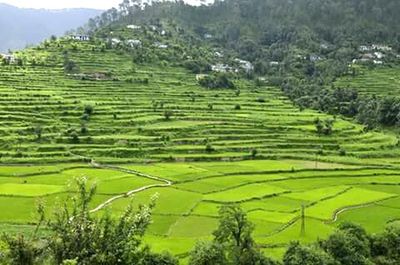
20,27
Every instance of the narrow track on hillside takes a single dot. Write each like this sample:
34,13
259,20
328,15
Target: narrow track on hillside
94,164
349,208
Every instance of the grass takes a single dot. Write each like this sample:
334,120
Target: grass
356,196
28,190
128,129
244,193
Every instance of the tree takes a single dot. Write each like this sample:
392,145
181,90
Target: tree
80,237
254,152
70,66
319,126
38,132
168,114
207,253
349,245
385,247
297,254
88,109
234,234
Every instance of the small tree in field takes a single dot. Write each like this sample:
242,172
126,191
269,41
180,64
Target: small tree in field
80,237
168,114
232,244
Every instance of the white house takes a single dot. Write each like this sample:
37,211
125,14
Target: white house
134,43
273,63
378,62
314,58
246,65
115,41
380,47
220,68
161,45
208,36
9,58
379,55
365,48
134,27
218,54
80,37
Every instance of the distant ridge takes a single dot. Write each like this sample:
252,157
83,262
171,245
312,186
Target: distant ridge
20,27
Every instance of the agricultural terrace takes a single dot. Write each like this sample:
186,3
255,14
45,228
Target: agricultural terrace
382,81
142,130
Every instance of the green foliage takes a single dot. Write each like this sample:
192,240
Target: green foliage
79,238
207,253
168,114
324,127
297,254
233,242
217,81
349,245
70,67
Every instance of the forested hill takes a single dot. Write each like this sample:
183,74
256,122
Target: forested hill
277,21
303,46
20,27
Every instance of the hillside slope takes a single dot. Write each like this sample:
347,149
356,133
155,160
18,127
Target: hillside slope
73,102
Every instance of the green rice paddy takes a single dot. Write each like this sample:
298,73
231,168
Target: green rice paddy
293,168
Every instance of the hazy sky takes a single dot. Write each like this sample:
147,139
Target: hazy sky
58,4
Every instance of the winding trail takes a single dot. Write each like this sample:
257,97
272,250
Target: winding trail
93,163
345,209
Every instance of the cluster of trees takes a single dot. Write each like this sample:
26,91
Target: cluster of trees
324,127
78,236
349,245
371,111
215,81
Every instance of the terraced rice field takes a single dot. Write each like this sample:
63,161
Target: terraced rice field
381,81
136,149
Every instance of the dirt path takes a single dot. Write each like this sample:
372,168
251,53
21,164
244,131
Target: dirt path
349,208
166,182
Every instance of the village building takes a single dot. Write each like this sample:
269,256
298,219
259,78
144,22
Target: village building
324,46
245,65
365,48
379,55
115,41
315,58
161,45
200,77
80,37
218,54
134,27
273,63
208,36
134,43
383,48
222,68
9,58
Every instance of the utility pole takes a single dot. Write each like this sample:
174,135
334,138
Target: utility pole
303,221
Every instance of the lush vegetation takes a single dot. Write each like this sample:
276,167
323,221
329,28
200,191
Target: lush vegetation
289,43
224,134
76,237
